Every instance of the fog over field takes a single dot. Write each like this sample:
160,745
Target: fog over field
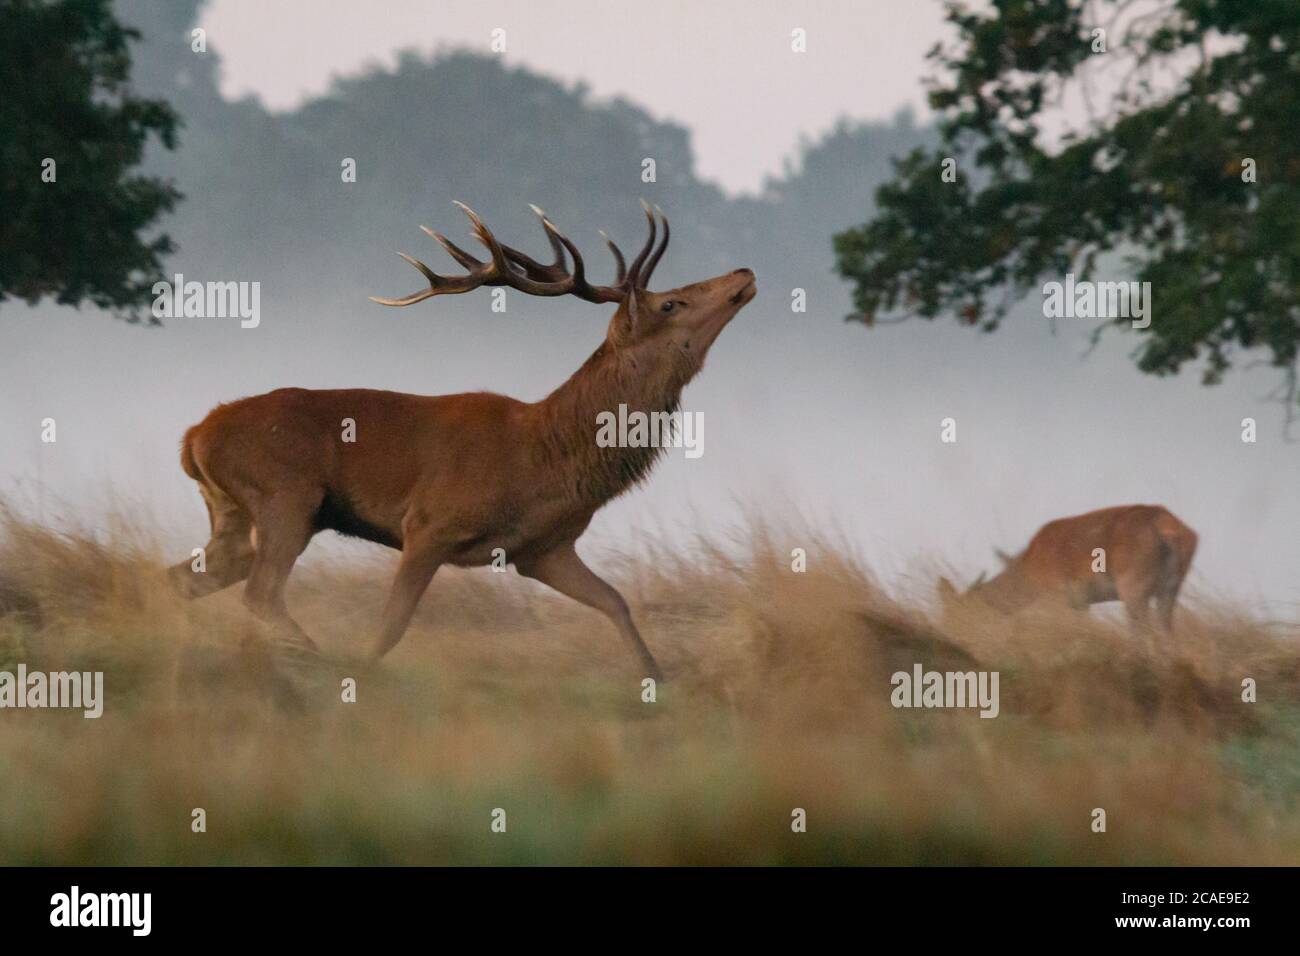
804,414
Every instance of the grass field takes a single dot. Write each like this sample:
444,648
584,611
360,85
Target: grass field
503,695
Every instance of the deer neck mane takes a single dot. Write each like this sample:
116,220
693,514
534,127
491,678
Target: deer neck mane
569,419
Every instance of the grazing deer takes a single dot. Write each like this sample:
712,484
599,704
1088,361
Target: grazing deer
451,479
1145,553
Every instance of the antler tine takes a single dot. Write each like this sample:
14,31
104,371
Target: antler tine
484,235
453,250
579,274
659,251
552,236
438,285
581,288
510,267
503,271
480,273
405,300
556,272
534,269
425,270
634,271
618,258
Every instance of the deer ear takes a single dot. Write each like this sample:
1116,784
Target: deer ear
622,328
946,589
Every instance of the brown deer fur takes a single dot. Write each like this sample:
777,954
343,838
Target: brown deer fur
452,478
1147,555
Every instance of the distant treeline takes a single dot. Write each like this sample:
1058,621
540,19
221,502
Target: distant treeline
264,191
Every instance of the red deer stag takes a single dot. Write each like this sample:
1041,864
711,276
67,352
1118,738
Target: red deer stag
451,479
1147,552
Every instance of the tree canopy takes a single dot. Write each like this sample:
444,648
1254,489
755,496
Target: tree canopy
1190,175
71,133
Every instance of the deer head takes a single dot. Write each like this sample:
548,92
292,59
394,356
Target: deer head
1006,591
676,327
655,344
950,596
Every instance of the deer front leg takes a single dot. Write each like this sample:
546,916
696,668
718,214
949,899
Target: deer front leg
1165,610
564,571
1135,592
414,573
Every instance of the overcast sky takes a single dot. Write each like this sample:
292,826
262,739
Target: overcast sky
724,68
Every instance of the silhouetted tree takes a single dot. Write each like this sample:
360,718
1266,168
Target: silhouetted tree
1196,182
71,133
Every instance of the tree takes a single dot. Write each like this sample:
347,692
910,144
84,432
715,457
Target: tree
1191,176
70,135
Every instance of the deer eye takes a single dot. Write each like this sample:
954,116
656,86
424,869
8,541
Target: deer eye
667,306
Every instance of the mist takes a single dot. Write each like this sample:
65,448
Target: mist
811,421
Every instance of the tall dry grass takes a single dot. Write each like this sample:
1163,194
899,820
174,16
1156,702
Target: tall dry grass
504,695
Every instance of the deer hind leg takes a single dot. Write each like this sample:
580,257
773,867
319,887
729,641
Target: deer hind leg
1139,612
564,571
284,525
228,555
1175,566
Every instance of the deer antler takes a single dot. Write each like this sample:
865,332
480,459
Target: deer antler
510,267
